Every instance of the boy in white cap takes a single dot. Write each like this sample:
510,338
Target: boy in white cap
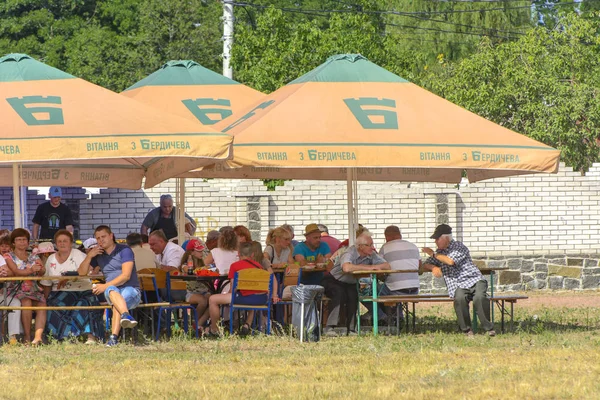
51,216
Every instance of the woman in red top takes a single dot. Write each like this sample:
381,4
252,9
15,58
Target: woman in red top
247,255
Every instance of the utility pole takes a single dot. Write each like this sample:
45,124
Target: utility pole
228,20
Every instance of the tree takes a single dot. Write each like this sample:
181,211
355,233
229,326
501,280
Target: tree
545,85
277,50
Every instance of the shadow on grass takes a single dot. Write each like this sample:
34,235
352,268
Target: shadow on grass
532,325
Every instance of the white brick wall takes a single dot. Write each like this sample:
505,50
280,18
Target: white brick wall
528,214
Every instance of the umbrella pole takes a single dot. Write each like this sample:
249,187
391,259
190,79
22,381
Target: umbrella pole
180,210
16,196
351,205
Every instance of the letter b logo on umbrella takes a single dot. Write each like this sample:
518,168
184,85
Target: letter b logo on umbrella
37,115
365,115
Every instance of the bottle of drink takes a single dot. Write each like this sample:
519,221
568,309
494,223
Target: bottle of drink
190,265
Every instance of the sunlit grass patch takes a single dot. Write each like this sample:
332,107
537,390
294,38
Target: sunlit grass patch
553,353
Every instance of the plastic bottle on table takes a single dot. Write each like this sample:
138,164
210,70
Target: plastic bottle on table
190,265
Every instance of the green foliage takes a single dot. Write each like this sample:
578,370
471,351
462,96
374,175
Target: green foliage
545,85
271,184
542,82
278,50
112,43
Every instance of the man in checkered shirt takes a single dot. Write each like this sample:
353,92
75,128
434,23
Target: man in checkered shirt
463,279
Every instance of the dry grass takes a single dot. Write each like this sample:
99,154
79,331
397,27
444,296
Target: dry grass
554,355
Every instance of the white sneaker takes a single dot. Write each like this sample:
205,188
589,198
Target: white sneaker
352,333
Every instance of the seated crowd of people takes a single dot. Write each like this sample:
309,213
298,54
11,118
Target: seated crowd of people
226,251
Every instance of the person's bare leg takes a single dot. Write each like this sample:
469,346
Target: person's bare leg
202,309
118,302
116,321
118,307
213,308
201,302
26,317
40,324
249,318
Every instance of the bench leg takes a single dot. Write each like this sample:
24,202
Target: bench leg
398,318
492,294
503,312
512,309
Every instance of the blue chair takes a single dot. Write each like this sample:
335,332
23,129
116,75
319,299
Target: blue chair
252,279
162,280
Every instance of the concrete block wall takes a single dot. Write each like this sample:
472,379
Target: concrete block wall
70,195
532,214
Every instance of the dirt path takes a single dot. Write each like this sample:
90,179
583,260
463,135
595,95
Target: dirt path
549,299
561,299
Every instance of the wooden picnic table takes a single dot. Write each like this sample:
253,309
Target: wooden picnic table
50,278
374,275
208,280
6,307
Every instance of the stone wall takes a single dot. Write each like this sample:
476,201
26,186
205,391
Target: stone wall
551,271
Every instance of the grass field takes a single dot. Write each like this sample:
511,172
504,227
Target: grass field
554,353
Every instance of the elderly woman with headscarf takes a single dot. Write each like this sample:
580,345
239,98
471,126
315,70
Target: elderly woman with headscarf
71,323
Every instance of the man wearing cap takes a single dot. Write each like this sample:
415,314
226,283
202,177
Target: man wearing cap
51,216
332,242
144,258
312,251
340,284
465,282
163,217
212,239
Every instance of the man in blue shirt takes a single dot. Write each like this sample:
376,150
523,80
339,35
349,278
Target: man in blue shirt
122,288
312,251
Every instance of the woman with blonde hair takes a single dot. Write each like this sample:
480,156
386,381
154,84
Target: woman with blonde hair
279,249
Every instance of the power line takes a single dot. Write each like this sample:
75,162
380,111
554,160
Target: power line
452,32
324,13
393,12
463,25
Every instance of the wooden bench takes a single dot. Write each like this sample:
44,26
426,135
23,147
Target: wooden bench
68,308
500,300
104,307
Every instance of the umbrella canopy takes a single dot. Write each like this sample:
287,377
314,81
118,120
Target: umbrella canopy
349,112
70,132
187,89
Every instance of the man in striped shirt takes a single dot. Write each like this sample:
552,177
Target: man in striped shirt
401,255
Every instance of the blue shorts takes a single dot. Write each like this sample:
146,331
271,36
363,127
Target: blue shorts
250,300
131,295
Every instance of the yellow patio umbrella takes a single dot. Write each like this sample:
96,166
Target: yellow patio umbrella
69,132
54,121
187,89
350,114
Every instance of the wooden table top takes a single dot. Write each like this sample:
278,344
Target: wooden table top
385,272
49,278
